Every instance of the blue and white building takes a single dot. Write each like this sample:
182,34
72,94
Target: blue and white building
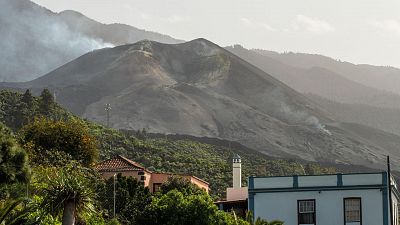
339,199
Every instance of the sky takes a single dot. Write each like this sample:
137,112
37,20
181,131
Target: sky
357,31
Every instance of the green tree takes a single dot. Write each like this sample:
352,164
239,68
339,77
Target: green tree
13,159
28,99
114,221
181,184
46,103
22,115
67,193
60,140
10,108
131,198
28,108
174,208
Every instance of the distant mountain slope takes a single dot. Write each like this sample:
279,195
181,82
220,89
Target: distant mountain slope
380,77
381,118
117,34
318,80
35,40
199,89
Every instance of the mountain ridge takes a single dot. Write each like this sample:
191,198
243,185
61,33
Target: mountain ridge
319,80
380,77
198,88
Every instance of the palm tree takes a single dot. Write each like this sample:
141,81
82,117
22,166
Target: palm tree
68,193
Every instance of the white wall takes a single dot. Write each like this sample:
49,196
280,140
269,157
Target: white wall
313,181
395,215
273,182
329,206
237,175
362,179
318,181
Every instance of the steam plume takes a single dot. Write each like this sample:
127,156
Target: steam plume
302,117
34,41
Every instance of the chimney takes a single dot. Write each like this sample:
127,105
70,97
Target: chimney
237,171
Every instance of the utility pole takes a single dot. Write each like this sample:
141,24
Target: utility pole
114,195
390,190
55,96
108,108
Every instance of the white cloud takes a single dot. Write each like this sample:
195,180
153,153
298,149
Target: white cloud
256,25
312,25
389,25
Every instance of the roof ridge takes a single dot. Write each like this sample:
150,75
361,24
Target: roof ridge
133,163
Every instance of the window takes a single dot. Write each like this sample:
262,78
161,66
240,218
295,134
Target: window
156,187
306,211
352,210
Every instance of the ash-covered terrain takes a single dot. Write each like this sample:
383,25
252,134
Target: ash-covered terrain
198,88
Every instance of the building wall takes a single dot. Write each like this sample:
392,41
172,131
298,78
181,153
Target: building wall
319,181
276,197
156,178
329,206
134,174
233,194
395,206
199,183
159,178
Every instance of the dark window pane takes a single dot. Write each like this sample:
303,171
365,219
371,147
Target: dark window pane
306,218
306,212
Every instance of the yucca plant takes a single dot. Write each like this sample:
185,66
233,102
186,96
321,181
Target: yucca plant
68,194
10,215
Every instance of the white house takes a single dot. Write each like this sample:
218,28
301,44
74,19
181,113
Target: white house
348,199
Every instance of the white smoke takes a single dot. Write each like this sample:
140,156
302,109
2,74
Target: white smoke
34,41
302,117
314,121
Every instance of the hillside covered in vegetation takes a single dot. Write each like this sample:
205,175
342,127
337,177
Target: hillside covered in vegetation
209,162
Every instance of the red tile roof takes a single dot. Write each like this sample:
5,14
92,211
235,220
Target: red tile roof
119,164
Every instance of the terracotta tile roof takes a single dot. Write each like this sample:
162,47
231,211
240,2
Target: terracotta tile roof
119,164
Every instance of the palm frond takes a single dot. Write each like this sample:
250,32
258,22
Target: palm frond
65,186
10,216
9,207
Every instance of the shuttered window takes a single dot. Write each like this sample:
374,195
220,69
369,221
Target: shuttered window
352,210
